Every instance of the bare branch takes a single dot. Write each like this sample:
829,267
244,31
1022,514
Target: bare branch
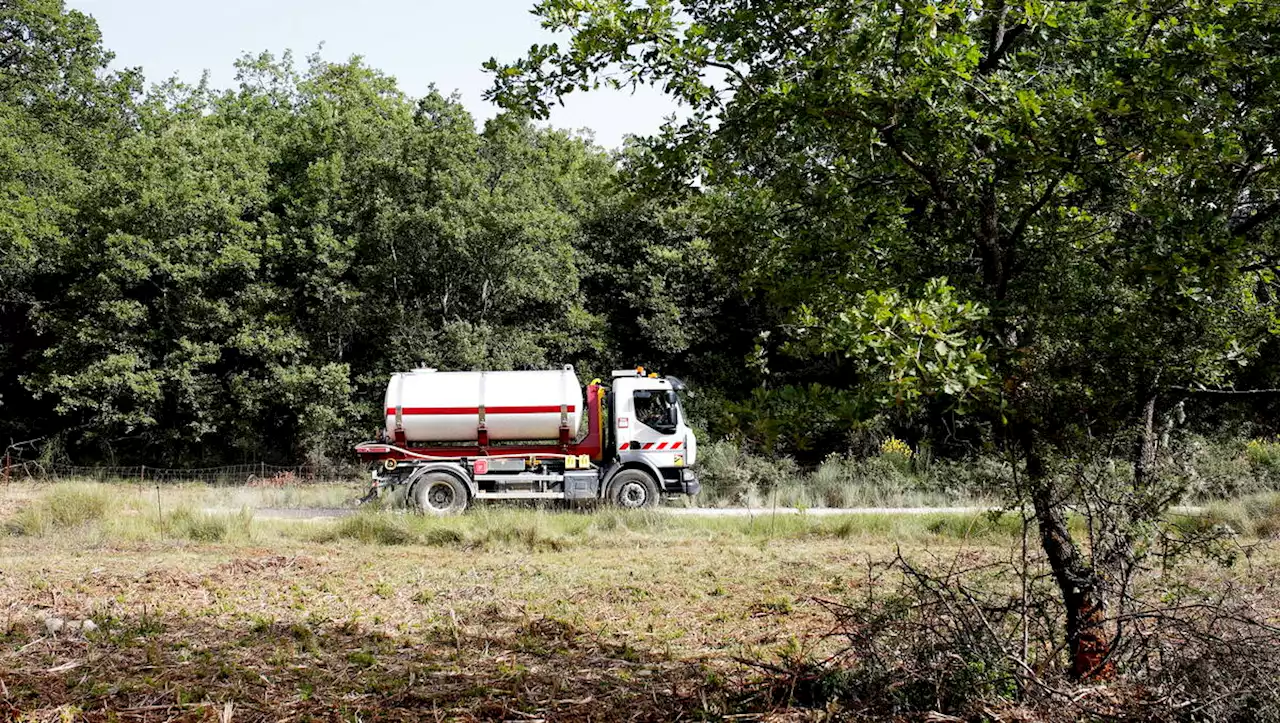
1259,217
1198,390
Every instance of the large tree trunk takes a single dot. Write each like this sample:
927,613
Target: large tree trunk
1083,594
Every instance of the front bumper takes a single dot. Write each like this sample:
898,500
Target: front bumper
689,481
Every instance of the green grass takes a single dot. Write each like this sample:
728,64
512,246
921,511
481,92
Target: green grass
63,507
1255,515
539,530
100,513
97,513
184,523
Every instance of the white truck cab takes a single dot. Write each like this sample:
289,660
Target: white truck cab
650,428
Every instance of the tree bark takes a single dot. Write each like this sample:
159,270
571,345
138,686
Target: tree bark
1083,593
1145,455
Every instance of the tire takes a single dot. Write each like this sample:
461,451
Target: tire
439,493
633,489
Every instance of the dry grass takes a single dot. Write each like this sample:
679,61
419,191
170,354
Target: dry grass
502,614
406,632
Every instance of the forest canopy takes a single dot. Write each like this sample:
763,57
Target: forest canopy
1047,223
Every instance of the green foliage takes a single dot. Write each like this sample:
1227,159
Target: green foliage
963,223
1096,181
794,419
916,347
1263,455
234,273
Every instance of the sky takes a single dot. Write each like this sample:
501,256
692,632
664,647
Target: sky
423,42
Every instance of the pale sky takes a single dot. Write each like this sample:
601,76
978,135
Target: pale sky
428,41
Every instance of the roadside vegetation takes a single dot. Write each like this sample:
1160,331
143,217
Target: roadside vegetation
108,514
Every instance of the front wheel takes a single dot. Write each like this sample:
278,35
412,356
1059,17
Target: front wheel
439,493
633,490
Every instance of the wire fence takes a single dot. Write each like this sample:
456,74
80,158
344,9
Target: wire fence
252,475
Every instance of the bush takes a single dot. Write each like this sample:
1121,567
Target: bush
731,477
1263,454
946,642
1214,470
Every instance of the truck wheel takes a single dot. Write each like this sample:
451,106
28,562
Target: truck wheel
439,493
633,490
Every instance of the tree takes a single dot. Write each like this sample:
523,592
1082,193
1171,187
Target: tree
59,111
1100,178
244,269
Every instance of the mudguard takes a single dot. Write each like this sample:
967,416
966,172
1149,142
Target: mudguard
452,468
635,463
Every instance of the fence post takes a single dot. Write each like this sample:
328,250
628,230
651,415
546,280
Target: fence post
7,463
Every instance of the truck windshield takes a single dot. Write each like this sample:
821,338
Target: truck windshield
657,409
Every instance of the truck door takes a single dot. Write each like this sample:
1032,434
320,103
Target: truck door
651,428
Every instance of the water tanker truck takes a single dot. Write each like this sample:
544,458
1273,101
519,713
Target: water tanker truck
455,438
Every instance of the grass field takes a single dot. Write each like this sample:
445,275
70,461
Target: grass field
508,614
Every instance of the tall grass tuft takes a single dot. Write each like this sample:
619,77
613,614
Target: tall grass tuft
1257,515
66,506
530,534
370,528
204,527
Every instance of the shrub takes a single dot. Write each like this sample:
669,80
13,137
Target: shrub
946,642
1221,470
1263,453
732,477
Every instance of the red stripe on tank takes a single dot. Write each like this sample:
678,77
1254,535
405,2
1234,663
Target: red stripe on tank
548,409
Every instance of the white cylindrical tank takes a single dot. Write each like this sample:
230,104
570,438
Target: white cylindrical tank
447,406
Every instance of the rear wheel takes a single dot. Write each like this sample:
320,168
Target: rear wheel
439,493
633,490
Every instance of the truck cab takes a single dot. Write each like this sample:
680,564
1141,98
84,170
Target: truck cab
650,430
456,438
